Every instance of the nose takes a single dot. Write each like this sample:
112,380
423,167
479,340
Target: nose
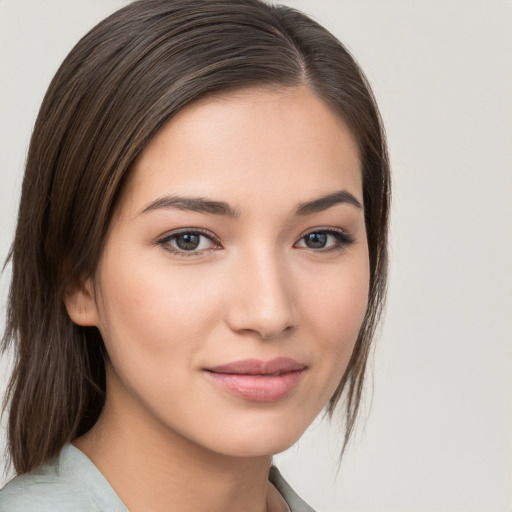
262,296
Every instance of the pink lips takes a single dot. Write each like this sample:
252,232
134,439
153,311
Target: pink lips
258,381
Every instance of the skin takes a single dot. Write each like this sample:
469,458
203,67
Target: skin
258,291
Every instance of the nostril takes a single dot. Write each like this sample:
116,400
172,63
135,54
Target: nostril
262,297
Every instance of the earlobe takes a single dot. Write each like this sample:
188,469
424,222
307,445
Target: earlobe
81,305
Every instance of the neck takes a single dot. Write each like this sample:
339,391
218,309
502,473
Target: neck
152,467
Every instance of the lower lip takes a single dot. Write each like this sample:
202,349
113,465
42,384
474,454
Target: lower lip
257,388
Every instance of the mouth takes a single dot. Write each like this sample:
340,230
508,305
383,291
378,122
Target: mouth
258,381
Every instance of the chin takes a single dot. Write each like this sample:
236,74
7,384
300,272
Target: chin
267,440
259,448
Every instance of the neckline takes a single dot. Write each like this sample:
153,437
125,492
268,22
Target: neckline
75,463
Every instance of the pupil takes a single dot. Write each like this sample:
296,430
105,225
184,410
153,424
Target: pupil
187,241
316,240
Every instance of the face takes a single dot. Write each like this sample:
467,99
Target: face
234,278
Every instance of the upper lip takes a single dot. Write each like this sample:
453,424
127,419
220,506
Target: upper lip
275,366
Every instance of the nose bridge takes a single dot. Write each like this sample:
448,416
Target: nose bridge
263,301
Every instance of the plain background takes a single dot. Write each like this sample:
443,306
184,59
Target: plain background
438,436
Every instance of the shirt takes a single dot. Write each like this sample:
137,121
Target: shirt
72,483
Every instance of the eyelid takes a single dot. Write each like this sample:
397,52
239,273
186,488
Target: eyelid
164,241
325,229
343,238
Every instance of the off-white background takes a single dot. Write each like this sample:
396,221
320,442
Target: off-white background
439,436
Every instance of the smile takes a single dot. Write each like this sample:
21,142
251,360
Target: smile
258,381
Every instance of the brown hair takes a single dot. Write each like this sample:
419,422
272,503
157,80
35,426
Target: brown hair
118,86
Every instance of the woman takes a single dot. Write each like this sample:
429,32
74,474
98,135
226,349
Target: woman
199,262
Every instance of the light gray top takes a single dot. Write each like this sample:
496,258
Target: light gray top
72,483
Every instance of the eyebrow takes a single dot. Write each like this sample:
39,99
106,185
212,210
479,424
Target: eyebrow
203,205
193,204
325,202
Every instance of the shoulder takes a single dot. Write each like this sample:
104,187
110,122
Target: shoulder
42,492
68,483
294,502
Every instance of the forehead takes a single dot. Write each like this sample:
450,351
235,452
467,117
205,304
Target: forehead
249,143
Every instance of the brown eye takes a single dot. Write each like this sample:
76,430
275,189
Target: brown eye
188,241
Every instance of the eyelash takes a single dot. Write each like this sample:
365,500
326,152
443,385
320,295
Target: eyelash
341,242
342,239
164,242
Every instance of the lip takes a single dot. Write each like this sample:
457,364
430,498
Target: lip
258,381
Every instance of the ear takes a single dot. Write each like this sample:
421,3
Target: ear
81,304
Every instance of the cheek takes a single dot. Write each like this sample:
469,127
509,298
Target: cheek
336,311
149,311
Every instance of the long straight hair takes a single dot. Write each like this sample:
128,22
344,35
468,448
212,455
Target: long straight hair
118,86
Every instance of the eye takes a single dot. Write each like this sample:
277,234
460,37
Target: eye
326,240
189,242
